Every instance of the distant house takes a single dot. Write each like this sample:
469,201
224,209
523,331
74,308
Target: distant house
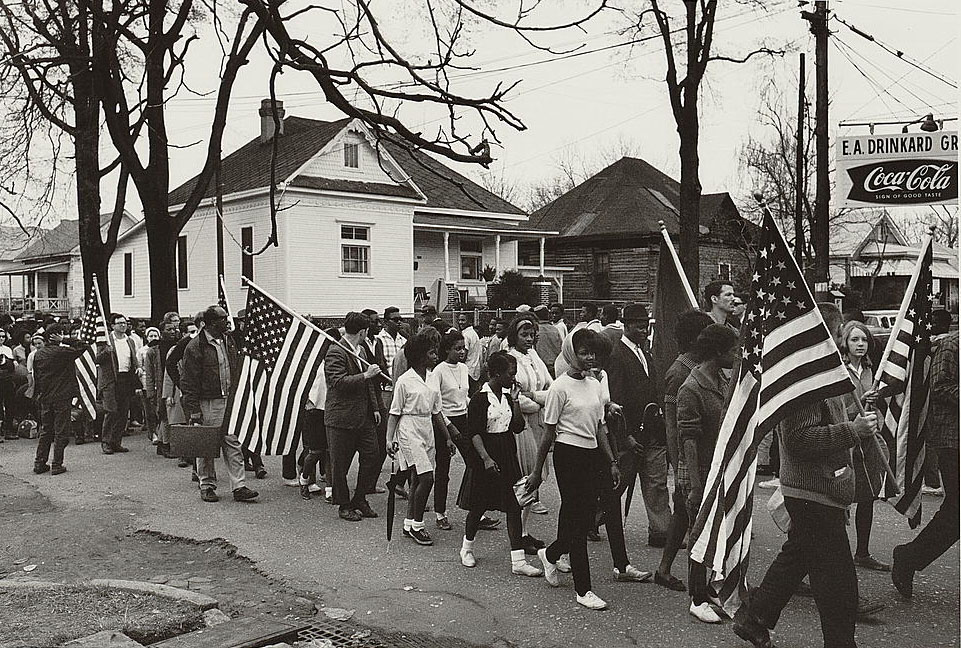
610,238
46,274
355,229
877,262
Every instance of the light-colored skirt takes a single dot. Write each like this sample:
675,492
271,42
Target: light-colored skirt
528,441
415,441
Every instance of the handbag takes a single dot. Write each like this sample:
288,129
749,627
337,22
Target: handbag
520,492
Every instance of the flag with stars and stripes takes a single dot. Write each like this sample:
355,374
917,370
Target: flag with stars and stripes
222,302
903,381
788,360
93,331
281,357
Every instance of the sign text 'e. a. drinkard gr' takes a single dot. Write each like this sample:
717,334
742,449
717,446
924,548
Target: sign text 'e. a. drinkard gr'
901,169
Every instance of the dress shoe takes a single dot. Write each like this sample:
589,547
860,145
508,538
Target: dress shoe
444,524
209,495
305,492
57,470
421,537
120,448
870,562
40,468
364,509
670,581
260,473
183,463
631,574
349,514
748,629
902,574
488,523
244,494
106,449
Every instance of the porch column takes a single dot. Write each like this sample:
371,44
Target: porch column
452,297
497,255
447,257
36,291
542,255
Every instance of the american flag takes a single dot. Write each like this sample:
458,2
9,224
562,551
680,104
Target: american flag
281,357
93,331
788,360
222,302
903,381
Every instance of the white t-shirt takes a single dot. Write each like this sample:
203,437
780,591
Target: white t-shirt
317,396
576,407
452,383
473,344
6,351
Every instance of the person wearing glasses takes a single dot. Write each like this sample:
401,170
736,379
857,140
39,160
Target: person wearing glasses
117,382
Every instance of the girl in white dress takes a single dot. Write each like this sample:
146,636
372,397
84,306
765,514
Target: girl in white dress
415,416
533,380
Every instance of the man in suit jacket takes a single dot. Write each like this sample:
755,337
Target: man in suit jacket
351,416
642,451
373,352
117,383
549,340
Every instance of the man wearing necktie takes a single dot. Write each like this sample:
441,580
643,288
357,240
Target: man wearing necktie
642,450
117,382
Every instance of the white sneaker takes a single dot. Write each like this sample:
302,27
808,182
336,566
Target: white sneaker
526,569
292,482
632,574
315,488
771,483
704,612
563,565
539,508
467,558
550,569
592,601
929,490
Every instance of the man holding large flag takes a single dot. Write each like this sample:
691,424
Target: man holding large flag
790,373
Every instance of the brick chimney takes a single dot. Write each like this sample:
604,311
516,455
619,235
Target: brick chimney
267,120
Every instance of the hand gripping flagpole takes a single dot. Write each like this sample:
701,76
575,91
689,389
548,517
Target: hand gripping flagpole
303,320
677,264
760,201
96,288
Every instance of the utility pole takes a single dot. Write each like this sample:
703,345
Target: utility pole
799,172
819,230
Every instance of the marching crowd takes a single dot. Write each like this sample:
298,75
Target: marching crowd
506,395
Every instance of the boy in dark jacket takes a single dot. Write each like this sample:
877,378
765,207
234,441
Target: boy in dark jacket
55,388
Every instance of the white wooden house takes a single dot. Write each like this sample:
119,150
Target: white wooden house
355,229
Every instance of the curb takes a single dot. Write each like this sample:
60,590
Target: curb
202,601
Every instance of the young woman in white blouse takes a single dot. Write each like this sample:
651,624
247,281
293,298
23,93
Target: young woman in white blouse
574,425
533,380
450,378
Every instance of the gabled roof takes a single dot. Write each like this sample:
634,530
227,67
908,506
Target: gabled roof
248,169
628,198
61,239
13,241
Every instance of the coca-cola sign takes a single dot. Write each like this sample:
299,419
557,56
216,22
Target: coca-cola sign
904,182
897,169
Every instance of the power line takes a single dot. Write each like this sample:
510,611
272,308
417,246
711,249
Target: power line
880,91
896,52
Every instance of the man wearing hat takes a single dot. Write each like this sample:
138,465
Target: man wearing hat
55,388
640,441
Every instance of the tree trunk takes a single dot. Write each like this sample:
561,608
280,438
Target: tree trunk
690,199
161,247
93,254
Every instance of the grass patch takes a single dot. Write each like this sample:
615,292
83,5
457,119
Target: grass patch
51,617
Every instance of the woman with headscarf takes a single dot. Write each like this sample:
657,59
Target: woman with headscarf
533,380
574,424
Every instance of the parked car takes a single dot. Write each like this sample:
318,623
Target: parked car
880,321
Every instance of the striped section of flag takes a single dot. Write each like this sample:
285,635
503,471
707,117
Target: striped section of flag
903,382
281,357
222,302
788,360
93,331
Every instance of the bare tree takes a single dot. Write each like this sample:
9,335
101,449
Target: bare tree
944,219
688,50
50,92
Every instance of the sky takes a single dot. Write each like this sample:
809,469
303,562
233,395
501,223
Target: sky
585,105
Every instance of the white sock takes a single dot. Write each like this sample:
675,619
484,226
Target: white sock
517,557
467,545
418,525
328,491
408,523
441,516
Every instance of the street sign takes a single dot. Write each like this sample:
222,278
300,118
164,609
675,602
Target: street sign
900,169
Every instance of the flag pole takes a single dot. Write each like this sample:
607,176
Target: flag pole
905,303
307,322
96,289
760,199
677,264
223,291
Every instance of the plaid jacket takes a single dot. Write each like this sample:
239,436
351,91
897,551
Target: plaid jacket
943,420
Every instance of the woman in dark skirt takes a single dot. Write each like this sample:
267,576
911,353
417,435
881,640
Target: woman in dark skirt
493,418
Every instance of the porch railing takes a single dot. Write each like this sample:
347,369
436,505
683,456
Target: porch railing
58,305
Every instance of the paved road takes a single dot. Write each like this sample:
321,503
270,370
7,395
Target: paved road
425,589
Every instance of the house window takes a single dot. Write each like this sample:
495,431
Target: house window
355,249
247,247
471,259
352,155
53,283
724,271
182,261
128,274
602,262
